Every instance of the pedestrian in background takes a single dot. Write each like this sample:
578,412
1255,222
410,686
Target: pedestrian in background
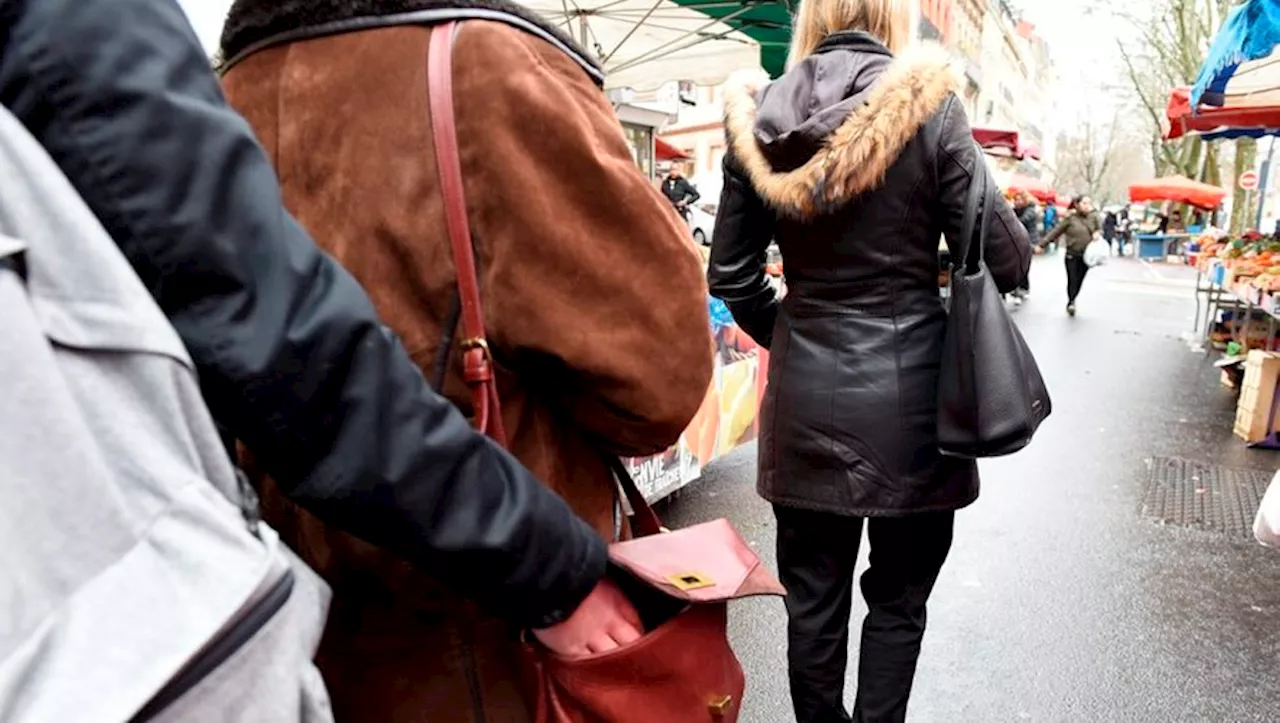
1029,215
1077,228
679,191
572,245
1110,226
1124,231
853,161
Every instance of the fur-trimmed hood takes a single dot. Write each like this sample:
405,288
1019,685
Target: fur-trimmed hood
830,129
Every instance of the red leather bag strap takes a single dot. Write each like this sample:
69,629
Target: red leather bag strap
478,361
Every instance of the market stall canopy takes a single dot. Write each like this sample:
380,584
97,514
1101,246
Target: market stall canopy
644,44
1248,114
996,138
1034,186
1180,189
768,22
664,151
1250,33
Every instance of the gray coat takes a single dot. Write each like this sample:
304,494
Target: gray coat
124,552
855,162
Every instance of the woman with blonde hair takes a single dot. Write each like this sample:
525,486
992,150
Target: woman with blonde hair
855,162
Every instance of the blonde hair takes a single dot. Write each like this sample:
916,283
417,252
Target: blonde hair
890,21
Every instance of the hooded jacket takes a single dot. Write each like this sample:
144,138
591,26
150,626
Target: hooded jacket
592,291
855,162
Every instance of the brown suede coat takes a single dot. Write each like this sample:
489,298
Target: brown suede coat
593,292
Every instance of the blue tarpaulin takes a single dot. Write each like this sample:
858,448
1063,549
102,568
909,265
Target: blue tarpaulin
1234,133
1251,32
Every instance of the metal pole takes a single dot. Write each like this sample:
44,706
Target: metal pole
1265,175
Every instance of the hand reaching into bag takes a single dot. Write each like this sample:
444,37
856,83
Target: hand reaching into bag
604,621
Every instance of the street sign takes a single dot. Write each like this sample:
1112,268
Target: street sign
1249,180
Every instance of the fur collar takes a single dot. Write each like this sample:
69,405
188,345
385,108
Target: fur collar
251,21
860,151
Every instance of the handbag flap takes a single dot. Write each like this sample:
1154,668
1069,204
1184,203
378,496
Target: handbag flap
709,562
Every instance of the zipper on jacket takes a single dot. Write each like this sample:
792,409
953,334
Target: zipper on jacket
220,649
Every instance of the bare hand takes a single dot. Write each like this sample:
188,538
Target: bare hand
604,621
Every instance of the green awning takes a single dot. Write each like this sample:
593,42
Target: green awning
767,22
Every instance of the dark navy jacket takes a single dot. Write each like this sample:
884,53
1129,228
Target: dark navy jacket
292,358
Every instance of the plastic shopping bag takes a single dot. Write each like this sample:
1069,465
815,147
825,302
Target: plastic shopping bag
1267,526
1097,252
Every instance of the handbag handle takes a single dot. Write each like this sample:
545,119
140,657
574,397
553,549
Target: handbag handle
478,359
978,205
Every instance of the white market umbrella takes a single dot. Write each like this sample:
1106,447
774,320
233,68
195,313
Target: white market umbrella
644,44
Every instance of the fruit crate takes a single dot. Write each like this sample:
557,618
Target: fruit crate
1256,413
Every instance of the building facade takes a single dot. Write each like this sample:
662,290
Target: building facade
1008,82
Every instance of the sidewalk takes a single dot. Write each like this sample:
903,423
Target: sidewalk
1064,599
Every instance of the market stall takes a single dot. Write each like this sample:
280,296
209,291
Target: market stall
1177,189
1240,114
728,418
1042,191
1237,94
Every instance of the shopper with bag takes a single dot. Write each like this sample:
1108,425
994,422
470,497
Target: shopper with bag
592,292
1078,228
853,161
293,362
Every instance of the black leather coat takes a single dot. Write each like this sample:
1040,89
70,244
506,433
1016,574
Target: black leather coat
856,163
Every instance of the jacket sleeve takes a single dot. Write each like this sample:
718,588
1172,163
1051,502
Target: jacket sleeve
691,193
606,305
739,251
1008,251
1054,233
291,356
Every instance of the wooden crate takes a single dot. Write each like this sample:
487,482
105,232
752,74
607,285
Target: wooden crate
1257,392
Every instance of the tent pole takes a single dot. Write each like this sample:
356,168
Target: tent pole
1265,175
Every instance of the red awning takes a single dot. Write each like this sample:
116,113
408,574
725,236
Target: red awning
1028,150
1006,139
1034,186
667,152
1180,189
996,138
1237,113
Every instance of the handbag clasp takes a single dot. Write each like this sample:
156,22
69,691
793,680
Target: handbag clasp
690,580
720,707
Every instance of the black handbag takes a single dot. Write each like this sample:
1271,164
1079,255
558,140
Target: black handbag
991,396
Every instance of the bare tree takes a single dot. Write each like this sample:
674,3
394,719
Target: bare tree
1168,49
1086,157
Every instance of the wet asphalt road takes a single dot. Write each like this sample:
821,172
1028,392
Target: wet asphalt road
1060,601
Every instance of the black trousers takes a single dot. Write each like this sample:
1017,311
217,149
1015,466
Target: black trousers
817,553
1076,270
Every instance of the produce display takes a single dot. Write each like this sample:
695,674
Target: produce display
1251,260
1249,268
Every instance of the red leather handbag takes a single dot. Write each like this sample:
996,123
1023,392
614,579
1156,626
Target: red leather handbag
682,670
